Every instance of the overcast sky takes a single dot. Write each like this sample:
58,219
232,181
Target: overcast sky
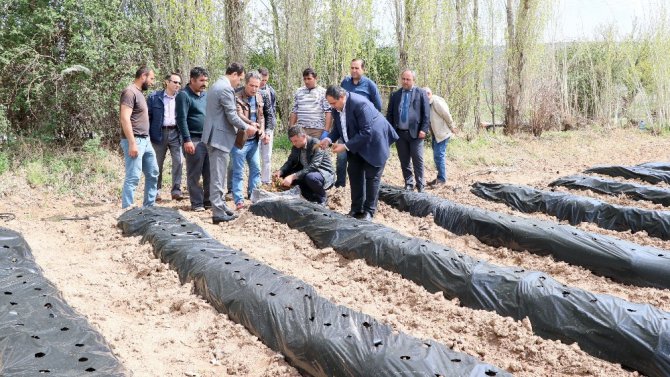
582,19
571,20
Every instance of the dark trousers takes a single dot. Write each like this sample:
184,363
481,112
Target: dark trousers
364,180
197,165
312,187
341,169
410,153
172,142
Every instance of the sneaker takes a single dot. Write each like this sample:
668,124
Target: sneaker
199,209
239,205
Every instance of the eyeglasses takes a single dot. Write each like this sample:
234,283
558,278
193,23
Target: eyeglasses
176,82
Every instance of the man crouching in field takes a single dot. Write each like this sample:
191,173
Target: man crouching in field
308,166
138,152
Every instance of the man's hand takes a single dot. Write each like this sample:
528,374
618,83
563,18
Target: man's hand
422,135
132,150
324,143
189,147
266,138
338,148
288,180
251,130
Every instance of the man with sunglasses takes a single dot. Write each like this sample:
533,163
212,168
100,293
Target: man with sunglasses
164,134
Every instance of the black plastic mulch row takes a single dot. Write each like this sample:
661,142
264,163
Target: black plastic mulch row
635,335
315,335
577,209
39,332
632,172
611,257
610,187
659,165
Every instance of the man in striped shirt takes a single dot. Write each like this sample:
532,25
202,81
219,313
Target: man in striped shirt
310,110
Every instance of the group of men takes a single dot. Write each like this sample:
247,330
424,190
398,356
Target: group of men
221,130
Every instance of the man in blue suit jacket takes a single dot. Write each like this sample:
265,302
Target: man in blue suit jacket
164,134
409,113
367,137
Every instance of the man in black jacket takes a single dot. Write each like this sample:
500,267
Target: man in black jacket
308,166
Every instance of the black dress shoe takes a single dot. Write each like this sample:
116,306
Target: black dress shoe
225,218
419,188
228,211
355,215
366,217
207,204
409,187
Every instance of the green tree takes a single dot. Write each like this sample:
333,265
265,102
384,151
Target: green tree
59,62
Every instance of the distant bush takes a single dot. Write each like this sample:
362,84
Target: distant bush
62,67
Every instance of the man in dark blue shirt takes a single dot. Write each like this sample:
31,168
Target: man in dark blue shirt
357,83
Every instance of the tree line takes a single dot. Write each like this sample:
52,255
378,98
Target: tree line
64,62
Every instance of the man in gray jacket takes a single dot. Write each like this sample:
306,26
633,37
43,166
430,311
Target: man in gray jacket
308,166
219,132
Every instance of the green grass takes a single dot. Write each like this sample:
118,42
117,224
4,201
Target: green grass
281,142
480,150
36,174
84,172
4,162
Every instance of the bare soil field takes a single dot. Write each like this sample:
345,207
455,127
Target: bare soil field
158,327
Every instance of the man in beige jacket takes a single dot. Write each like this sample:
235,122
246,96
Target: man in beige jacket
442,127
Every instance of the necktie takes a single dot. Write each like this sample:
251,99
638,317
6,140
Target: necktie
405,106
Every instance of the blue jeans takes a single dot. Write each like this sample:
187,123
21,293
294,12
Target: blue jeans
440,158
145,162
248,153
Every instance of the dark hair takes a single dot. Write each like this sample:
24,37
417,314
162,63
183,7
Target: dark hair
308,72
235,68
360,60
143,70
198,71
295,131
335,91
263,71
169,75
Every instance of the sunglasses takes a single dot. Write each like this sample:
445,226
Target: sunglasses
176,82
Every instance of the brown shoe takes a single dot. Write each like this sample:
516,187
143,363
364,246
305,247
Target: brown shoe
178,196
158,198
